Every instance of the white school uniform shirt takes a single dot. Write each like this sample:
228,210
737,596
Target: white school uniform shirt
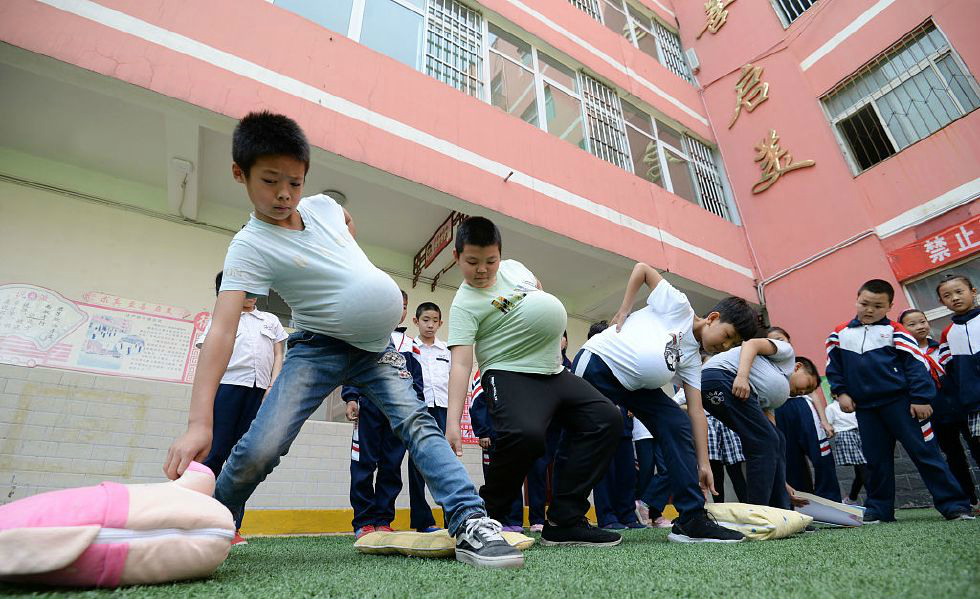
436,360
402,341
840,420
656,346
254,354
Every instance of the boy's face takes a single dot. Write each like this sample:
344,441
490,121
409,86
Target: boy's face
248,304
958,296
274,186
918,325
777,335
718,336
479,264
404,310
428,323
872,307
802,382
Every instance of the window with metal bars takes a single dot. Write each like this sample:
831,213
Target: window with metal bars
671,53
589,7
454,46
711,191
604,118
790,10
905,94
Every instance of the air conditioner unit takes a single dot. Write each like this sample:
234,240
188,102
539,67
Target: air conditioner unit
692,60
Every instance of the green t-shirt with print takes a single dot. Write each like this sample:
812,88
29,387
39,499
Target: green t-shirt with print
514,325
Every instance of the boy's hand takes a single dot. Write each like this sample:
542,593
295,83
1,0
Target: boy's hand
827,428
192,446
352,411
455,440
485,442
707,481
921,412
741,388
618,319
846,403
793,499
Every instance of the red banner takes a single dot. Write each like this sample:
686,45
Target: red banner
935,251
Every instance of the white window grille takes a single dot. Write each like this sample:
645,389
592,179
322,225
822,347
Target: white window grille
604,117
790,10
905,94
647,33
589,7
535,87
671,52
711,191
454,48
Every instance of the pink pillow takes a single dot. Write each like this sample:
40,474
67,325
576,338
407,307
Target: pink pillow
114,535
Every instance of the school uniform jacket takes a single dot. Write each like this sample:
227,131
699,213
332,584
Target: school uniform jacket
479,411
959,355
877,364
406,347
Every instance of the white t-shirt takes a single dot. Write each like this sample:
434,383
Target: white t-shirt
656,346
769,376
840,420
321,273
253,357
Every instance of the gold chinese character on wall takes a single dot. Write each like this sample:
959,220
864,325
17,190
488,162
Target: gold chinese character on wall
750,91
716,13
774,162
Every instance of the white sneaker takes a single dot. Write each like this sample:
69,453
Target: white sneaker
537,527
479,543
642,513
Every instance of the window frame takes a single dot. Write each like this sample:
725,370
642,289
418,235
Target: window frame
940,311
628,9
929,61
783,17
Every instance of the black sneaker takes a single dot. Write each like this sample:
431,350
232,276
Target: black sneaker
870,518
582,534
479,543
961,515
702,528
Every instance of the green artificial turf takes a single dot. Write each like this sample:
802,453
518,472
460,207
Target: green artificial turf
921,556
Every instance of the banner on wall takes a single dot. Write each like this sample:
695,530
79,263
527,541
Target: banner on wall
101,334
945,247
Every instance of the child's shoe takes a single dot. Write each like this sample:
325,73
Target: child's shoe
384,529
513,528
849,501
662,522
239,539
642,512
614,526
360,532
537,527
961,515
479,543
635,524
582,534
702,528
429,529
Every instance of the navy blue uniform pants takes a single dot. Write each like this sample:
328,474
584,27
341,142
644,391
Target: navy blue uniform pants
421,514
537,477
880,427
377,449
795,421
515,516
615,493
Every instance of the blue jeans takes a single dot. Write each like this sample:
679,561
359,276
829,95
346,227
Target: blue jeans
316,365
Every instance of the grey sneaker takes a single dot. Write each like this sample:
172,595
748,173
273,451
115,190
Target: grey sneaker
961,516
479,543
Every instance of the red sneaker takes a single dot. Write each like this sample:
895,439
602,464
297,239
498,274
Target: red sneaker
360,532
239,539
385,529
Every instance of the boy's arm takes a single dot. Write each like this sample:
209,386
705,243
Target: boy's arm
642,273
750,349
278,353
835,372
921,385
415,368
461,367
212,363
699,426
820,403
349,221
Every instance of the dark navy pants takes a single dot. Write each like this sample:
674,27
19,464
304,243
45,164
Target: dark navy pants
235,407
421,514
537,477
763,444
795,420
377,449
515,516
668,423
880,427
615,493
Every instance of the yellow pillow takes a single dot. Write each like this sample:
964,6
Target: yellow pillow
758,522
419,544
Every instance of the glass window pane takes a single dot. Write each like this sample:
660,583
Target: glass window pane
646,162
454,48
615,19
866,137
917,108
557,72
669,135
420,4
959,83
334,15
637,118
393,30
680,176
563,115
512,89
508,45
923,291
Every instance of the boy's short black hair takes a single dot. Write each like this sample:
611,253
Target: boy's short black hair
264,133
478,231
901,318
217,282
809,366
779,330
427,307
879,286
597,328
404,295
738,313
954,277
